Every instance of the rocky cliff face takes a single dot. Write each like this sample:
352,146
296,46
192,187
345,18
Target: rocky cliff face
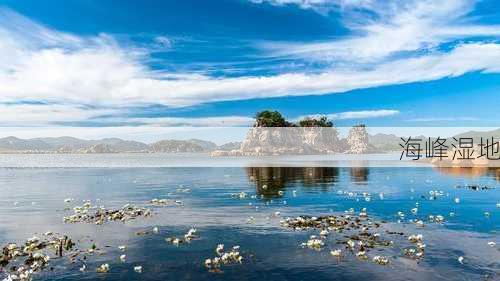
321,139
357,140
282,141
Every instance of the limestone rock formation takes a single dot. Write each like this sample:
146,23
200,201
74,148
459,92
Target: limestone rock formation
357,140
286,141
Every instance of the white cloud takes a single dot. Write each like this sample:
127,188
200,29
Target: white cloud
435,119
108,75
400,26
319,5
163,42
363,114
53,114
44,114
217,121
209,121
38,63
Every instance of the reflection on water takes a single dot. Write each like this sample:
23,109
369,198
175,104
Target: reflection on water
272,181
471,171
32,202
269,181
359,175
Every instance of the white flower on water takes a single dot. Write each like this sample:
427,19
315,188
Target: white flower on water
336,253
103,268
415,238
138,269
380,260
350,243
315,243
220,249
191,234
361,255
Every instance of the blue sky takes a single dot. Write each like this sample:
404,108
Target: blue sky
104,64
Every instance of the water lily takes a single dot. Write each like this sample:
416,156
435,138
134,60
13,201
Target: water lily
336,253
381,260
103,268
415,238
138,269
361,255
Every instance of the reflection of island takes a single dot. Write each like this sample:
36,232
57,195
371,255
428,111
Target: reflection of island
271,181
359,175
471,172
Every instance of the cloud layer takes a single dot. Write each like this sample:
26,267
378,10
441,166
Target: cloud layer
87,77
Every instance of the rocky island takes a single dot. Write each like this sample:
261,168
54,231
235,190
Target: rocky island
272,134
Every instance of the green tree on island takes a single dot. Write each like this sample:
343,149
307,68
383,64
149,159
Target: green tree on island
269,118
315,122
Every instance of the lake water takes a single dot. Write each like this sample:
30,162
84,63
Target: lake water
32,203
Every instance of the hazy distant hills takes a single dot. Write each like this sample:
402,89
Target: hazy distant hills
378,143
108,145
390,142
478,135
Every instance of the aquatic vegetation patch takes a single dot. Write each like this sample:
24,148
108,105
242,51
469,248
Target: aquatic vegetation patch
100,215
475,187
223,257
190,235
165,202
359,234
21,261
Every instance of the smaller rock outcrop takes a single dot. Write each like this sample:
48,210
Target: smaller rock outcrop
357,140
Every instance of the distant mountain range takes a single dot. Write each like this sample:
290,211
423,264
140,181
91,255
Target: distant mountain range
390,142
379,143
108,145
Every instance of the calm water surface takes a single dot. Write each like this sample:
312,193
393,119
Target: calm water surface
32,202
